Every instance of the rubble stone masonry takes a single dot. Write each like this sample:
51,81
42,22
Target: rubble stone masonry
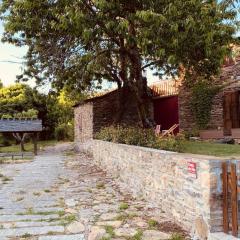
100,112
163,179
230,77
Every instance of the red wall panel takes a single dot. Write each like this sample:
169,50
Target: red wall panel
166,112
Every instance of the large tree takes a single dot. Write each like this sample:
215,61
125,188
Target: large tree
78,42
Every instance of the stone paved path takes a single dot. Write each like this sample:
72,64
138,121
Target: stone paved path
63,196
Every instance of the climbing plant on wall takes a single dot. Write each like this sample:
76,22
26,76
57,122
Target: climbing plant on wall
203,93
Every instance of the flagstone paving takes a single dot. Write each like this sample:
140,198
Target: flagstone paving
63,196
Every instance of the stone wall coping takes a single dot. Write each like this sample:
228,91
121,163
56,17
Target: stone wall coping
186,155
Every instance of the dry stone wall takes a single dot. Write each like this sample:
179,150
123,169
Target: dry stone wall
163,179
83,122
100,112
106,108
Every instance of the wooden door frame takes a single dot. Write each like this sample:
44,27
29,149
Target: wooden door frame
229,111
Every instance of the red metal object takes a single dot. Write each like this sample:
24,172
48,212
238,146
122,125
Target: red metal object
166,112
192,169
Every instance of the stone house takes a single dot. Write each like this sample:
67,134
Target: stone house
225,113
170,105
97,112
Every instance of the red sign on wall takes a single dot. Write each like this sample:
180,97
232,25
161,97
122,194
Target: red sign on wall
192,169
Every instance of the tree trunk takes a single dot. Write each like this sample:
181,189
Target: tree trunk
22,146
20,137
139,83
122,90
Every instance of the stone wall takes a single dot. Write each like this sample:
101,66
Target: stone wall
99,112
83,122
106,108
162,178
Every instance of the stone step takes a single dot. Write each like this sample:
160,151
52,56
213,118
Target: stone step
63,237
18,232
19,218
28,224
12,211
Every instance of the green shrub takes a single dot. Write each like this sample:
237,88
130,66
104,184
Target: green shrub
169,143
193,133
139,137
8,116
6,139
64,132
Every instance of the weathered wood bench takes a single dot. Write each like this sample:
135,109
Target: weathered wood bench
235,133
211,134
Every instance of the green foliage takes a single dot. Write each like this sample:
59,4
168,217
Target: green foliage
139,137
152,223
192,32
17,99
64,131
59,118
55,108
110,231
170,143
137,236
123,206
7,116
5,140
177,236
31,113
92,41
127,135
194,132
203,93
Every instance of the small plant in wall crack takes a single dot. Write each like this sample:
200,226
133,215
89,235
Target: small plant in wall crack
100,185
26,235
137,236
152,223
123,206
177,236
110,231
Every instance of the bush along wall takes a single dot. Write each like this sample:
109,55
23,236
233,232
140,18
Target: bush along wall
139,137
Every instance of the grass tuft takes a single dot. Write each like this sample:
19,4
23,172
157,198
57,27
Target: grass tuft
137,236
26,235
177,236
100,186
110,231
152,223
123,206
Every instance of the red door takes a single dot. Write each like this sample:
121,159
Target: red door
166,112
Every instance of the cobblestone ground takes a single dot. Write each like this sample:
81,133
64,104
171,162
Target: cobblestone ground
63,196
